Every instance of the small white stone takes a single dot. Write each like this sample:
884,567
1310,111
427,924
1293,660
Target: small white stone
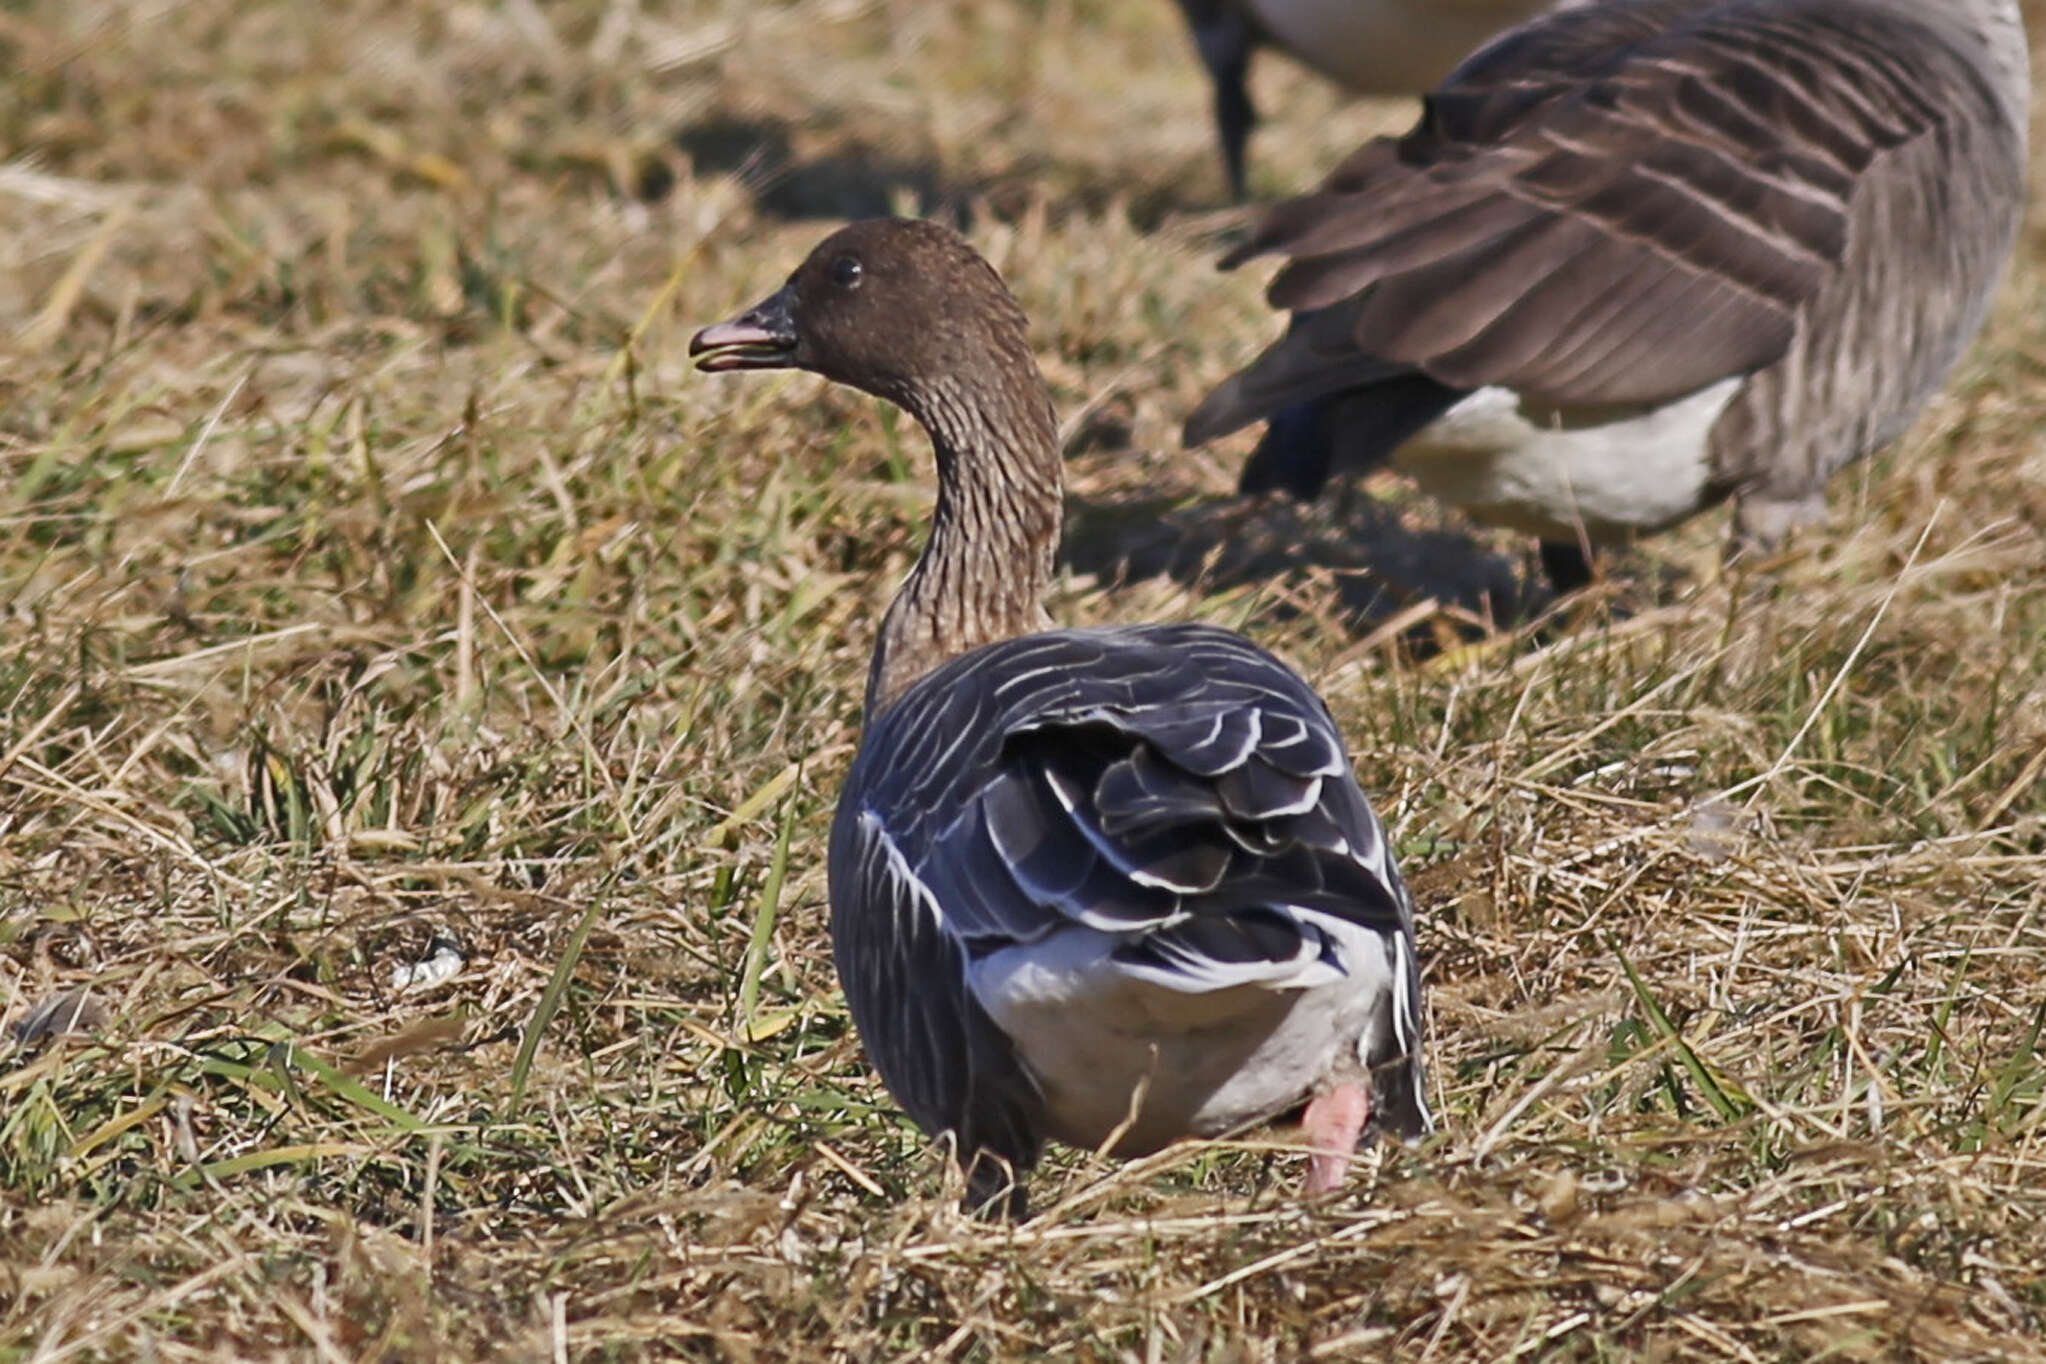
443,965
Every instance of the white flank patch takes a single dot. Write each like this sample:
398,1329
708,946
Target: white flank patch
1612,473
1093,1034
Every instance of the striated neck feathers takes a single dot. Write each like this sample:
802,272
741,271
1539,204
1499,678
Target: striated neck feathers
985,568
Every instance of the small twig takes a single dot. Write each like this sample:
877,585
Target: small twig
1755,785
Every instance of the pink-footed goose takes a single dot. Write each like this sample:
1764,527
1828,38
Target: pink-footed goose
1111,886
1372,47
1646,255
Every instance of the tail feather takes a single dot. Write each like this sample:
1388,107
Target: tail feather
1306,444
1312,360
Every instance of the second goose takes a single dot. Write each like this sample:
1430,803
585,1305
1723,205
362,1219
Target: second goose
1646,255
1111,886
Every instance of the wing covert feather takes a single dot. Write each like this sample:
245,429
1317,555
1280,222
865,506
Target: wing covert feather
1127,779
1615,204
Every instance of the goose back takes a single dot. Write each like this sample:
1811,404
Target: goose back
1172,796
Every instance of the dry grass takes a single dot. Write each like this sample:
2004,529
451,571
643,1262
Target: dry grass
379,584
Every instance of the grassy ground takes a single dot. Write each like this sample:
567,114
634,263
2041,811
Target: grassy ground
378,586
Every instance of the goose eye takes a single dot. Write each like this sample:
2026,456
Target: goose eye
845,272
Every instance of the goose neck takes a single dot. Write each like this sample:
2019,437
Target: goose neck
986,566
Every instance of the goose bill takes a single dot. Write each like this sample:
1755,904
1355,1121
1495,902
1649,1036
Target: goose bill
762,337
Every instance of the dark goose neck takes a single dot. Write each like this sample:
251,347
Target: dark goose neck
985,568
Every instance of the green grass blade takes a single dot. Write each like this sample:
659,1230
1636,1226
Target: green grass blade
1937,1047
755,964
1708,1085
346,1086
2021,1071
550,1002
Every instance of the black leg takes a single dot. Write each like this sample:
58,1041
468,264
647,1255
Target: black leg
1566,565
1296,453
1235,116
994,1190
1223,33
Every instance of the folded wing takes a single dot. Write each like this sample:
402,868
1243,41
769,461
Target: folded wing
1617,204
1173,787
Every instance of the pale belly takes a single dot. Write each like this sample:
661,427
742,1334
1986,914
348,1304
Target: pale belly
1610,474
1388,47
1111,1052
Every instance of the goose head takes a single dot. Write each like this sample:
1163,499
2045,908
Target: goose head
897,307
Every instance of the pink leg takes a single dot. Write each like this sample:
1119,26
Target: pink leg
1333,1123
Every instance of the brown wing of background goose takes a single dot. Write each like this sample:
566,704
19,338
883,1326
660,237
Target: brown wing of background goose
1625,203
